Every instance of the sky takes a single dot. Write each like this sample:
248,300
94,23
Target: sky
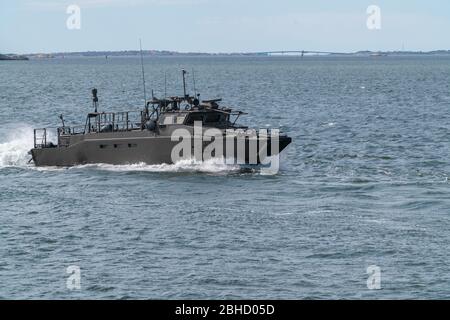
32,26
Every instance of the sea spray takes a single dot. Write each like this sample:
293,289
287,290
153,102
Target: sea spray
209,166
15,142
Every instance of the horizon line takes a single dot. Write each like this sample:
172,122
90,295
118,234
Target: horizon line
233,52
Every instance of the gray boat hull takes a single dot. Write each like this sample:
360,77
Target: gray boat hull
127,148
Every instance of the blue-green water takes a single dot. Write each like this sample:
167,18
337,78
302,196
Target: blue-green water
365,182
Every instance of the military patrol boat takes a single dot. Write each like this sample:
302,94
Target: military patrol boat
147,135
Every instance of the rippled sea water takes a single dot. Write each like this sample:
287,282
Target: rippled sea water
365,182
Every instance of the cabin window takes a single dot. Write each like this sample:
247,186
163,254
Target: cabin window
213,117
180,119
103,146
118,146
168,120
195,117
132,145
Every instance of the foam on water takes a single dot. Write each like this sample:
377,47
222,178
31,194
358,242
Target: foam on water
208,166
14,146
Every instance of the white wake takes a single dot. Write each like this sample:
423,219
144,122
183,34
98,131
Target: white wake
15,142
208,166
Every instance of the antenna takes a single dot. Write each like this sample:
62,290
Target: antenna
184,82
193,79
143,74
165,86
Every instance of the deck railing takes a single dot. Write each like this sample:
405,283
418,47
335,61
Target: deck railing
106,122
40,138
111,122
95,123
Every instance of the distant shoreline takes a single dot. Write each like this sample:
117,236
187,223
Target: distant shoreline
158,53
12,57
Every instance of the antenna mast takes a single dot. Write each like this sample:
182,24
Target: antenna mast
143,74
184,83
193,79
165,85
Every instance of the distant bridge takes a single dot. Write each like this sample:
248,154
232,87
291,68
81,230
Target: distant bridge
300,52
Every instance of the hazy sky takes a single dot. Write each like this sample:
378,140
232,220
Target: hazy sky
223,25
